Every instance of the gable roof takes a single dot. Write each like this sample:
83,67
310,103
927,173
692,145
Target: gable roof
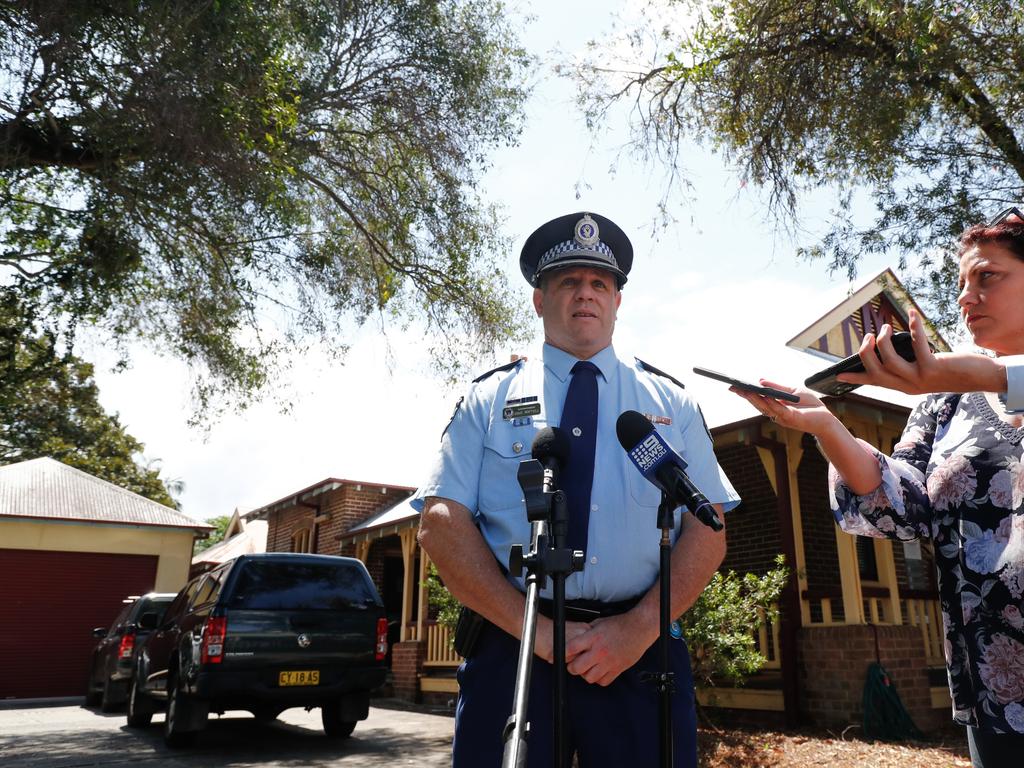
242,537
51,490
324,486
883,298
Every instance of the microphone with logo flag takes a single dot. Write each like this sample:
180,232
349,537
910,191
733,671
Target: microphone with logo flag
661,465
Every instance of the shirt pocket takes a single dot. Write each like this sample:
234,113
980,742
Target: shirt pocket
643,492
505,447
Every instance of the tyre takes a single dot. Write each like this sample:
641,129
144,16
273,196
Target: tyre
139,711
334,726
181,711
112,697
92,694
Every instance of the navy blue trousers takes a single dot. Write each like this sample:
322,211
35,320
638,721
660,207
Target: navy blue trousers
611,726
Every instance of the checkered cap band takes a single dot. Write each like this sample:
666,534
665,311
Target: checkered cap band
599,250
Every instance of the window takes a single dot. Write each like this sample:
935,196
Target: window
210,588
268,586
866,562
302,541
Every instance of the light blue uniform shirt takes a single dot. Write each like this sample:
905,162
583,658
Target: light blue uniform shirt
1014,400
481,452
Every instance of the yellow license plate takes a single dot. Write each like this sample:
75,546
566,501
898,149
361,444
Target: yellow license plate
304,677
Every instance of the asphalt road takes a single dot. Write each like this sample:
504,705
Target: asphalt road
73,736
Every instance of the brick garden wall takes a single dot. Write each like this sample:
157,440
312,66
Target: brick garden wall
833,668
406,660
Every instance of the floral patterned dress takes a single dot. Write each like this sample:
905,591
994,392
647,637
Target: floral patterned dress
956,477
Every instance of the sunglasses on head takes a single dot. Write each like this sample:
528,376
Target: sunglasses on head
1005,214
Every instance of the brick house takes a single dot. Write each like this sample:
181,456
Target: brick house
318,519
851,600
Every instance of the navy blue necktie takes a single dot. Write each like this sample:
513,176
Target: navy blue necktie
579,420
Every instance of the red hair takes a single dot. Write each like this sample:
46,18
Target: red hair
1008,233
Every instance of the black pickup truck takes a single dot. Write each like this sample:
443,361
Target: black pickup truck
264,633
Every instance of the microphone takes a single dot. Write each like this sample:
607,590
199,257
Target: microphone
663,466
551,447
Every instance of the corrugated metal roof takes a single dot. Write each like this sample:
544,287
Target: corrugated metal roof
248,541
400,513
48,489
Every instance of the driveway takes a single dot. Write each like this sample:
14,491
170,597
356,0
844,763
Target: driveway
73,736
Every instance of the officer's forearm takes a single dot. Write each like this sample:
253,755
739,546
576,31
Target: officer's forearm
696,556
467,565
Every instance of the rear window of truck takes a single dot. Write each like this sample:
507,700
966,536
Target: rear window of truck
270,586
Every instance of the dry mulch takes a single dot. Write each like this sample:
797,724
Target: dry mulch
750,748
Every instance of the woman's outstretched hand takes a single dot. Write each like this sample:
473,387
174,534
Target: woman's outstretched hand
809,415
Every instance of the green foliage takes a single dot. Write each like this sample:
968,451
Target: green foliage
441,599
915,104
721,627
49,406
231,181
220,527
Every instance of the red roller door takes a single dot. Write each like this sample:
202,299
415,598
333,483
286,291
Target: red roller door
49,604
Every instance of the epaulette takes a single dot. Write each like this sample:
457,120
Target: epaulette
505,367
658,372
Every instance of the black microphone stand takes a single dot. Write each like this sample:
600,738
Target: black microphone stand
547,556
664,680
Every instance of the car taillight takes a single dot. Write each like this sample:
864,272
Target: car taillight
124,651
382,639
213,640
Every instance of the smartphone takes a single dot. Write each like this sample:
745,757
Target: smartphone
825,381
777,394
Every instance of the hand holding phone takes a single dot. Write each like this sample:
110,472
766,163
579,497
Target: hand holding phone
825,381
747,386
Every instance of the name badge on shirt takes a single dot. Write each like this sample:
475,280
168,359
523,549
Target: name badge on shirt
520,409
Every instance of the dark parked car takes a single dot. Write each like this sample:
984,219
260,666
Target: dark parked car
264,633
113,658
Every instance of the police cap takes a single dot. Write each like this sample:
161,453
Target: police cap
577,240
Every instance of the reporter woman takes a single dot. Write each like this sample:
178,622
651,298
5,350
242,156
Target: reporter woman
956,477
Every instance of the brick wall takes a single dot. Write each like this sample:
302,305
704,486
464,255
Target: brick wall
752,529
833,669
345,506
406,661
820,553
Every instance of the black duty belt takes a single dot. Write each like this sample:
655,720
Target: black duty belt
587,610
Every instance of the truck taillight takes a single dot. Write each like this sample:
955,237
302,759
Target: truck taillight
382,639
214,633
124,651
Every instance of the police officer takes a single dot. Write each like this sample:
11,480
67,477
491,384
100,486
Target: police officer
472,513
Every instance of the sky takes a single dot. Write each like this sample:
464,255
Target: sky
721,289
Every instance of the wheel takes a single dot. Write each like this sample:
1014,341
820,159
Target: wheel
112,696
181,711
334,726
92,694
139,712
